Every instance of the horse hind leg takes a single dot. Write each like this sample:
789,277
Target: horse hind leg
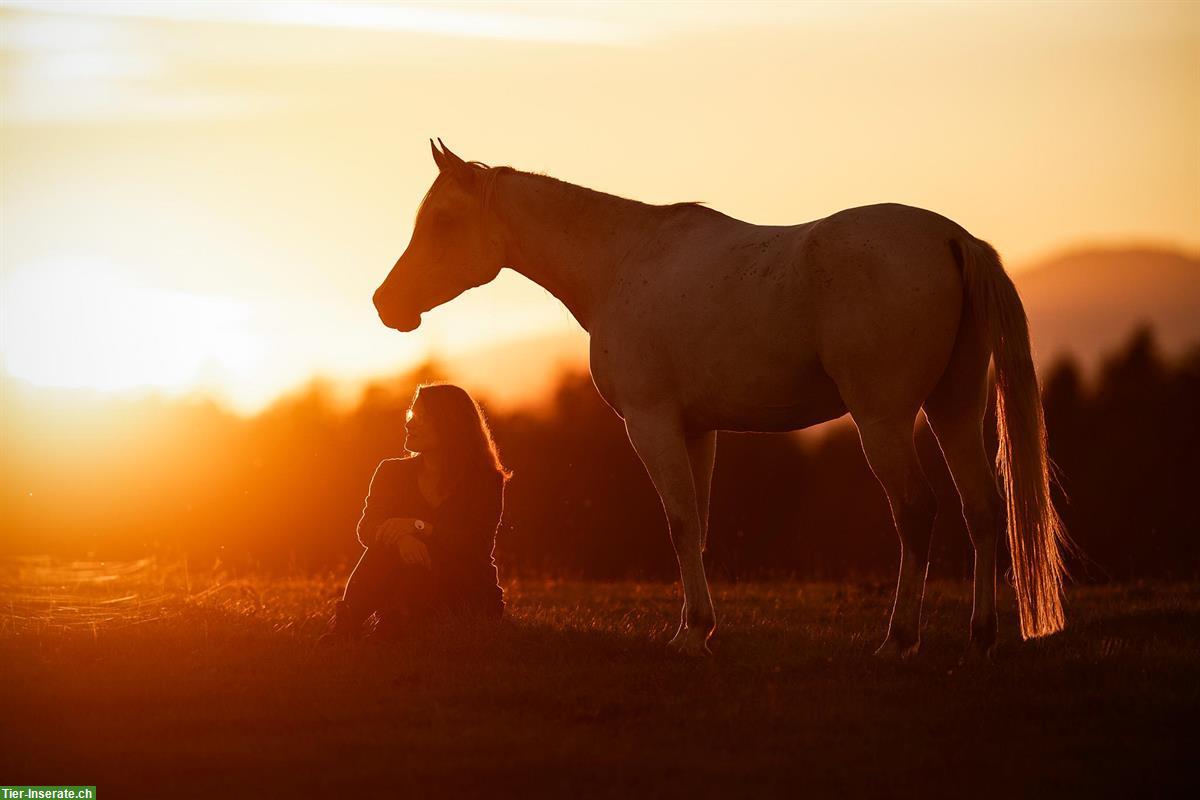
888,445
955,410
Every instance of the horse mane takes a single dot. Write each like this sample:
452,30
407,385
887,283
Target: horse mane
544,176
493,173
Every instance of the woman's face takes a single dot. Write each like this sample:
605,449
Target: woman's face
421,434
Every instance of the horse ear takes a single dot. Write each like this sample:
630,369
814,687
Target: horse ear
446,150
447,161
438,157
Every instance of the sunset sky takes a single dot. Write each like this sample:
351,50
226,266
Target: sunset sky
205,195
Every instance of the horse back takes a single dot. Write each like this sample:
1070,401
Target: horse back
748,327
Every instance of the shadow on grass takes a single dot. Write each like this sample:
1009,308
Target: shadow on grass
1159,626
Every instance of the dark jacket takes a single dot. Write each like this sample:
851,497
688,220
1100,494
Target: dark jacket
464,525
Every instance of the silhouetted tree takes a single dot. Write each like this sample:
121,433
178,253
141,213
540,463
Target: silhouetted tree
283,490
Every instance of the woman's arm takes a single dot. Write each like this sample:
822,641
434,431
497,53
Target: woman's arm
375,506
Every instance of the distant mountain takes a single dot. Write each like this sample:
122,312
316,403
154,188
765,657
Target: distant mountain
1087,302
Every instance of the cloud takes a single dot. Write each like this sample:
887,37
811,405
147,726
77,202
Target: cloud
490,22
107,60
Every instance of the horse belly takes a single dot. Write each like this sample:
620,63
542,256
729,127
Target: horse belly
731,348
775,395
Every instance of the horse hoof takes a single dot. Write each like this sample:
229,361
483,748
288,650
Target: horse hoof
691,651
892,650
688,645
977,654
678,639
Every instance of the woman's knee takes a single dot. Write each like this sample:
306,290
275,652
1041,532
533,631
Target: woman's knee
377,571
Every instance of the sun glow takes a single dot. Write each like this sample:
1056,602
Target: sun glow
84,326
203,197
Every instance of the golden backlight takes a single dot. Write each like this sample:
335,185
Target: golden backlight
82,325
205,196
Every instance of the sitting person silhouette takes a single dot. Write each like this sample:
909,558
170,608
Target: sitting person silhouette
429,523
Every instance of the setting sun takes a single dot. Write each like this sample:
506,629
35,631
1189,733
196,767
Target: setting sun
85,326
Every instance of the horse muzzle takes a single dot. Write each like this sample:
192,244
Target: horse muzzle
404,324
401,321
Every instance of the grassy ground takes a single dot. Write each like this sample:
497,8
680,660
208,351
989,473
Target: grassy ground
158,684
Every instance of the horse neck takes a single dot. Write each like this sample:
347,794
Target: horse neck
569,240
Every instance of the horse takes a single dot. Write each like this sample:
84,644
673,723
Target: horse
700,323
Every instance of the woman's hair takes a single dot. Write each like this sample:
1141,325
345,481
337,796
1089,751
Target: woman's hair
462,429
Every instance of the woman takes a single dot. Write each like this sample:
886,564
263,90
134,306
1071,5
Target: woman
429,522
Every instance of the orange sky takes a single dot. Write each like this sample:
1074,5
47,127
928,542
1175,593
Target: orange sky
201,194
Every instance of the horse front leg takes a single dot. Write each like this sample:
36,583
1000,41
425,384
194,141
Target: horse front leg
702,453
659,441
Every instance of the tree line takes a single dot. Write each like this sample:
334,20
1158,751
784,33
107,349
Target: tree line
283,490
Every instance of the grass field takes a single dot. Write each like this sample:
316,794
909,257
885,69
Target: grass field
152,683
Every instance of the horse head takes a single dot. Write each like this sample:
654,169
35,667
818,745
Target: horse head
452,249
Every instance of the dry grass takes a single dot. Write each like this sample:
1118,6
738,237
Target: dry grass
153,682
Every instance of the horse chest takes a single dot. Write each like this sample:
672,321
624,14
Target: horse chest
633,369
606,375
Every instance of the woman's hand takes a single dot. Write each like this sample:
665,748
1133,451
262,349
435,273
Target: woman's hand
413,551
390,531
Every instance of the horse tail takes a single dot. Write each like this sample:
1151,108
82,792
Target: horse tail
1036,536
